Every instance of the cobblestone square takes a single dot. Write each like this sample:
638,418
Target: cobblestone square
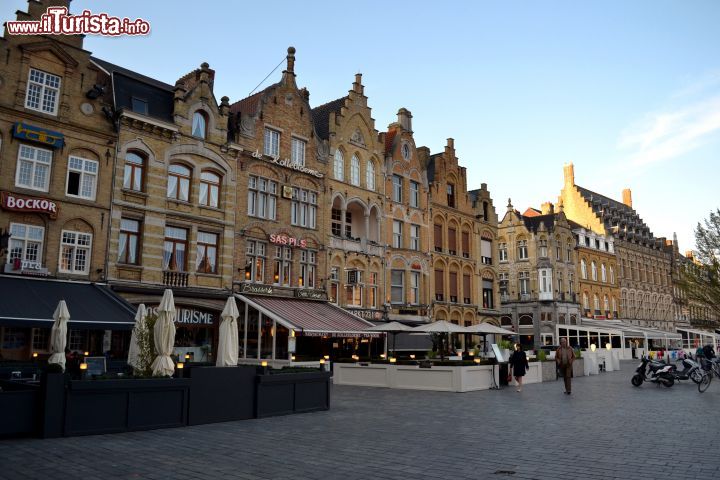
606,429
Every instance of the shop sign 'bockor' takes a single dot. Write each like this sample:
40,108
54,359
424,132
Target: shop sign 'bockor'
17,203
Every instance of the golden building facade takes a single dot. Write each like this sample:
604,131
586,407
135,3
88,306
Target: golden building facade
644,273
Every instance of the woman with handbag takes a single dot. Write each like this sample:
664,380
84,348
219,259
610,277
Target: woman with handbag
519,363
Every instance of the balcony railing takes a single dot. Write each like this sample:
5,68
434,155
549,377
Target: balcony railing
175,279
350,245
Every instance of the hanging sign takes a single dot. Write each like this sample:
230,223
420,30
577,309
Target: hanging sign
21,203
51,138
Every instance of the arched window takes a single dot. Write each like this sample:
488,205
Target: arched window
370,175
586,302
614,305
596,302
612,276
134,168
606,303
593,266
603,273
209,189
178,182
199,124
355,170
339,166
583,269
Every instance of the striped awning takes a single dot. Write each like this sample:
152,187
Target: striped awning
310,318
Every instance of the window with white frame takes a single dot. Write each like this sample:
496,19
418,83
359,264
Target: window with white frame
133,174
355,170
303,210
596,303
606,303
397,188
503,281
522,250
297,154
43,91
502,251
271,146
178,187
593,267
262,197
40,339
524,282
255,252
586,301
33,168
414,288
560,287
614,305
25,244
308,263
207,252
568,252
370,175
543,244
415,237
209,189
583,269
612,276
334,284
282,273
414,194
397,286
397,234
81,178
571,283
75,252
603,273
339,166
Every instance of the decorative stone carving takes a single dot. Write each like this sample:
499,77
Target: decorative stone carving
357,137
247,125
323,151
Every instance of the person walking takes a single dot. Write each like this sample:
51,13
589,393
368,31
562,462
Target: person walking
564,358
519,363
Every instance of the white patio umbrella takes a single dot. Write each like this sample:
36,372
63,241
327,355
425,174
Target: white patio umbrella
393,328
134,349
442,327
485,329
228,349
164,333
58,335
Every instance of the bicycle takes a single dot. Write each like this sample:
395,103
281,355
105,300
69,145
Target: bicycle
709,369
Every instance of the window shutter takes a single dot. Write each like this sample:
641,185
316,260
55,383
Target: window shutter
485,248
467,293
453,284
439,277
466,242
438,236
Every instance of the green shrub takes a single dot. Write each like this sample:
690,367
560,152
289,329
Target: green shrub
541,355
578,353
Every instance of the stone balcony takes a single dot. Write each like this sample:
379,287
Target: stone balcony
362,245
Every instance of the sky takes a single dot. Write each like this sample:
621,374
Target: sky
627,91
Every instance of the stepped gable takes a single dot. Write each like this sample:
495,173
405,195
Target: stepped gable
618,217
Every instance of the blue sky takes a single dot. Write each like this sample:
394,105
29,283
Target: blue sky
627,91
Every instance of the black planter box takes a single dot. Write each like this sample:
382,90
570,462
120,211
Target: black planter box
285,393
110,406
19,409
221,394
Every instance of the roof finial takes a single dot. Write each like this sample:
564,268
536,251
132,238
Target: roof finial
291,59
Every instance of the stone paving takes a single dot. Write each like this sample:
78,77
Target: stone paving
605,429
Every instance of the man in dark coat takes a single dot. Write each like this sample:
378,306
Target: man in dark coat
564,358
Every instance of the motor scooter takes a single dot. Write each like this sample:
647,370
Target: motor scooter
656,372
690,370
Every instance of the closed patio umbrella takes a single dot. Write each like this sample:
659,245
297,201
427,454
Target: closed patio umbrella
58,335
164,333
485,329
393,328
228,349
134,349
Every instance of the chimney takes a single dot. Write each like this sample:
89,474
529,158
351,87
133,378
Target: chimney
405,119
288,77
357,85
569,173
547,208
627,197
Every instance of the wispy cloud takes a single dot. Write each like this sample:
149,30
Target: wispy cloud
692,120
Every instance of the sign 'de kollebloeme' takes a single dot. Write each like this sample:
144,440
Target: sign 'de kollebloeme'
287,163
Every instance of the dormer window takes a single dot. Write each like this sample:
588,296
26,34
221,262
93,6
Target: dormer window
199,124
42,92
139,105
406,151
